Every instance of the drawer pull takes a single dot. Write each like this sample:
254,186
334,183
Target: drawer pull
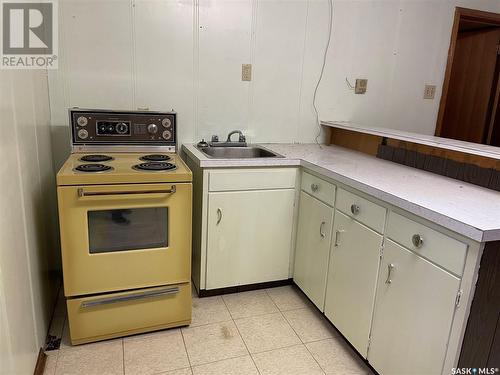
417,240
354,209
314,187
390,267
219,216
131,297
321,229
337,237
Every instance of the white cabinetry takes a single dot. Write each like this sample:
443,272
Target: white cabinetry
413,314
249,237
352,278
313,247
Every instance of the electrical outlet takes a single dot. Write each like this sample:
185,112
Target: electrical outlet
246,72
429,91
361,85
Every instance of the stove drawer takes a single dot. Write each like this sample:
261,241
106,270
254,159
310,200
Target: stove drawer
120,314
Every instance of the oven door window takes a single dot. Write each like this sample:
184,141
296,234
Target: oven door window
127,229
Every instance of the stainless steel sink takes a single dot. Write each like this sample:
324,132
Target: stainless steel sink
238,152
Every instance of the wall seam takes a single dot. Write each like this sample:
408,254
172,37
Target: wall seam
196,67
133,51
253,44
301,80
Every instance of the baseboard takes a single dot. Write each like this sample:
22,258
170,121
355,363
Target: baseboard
40,363
243,288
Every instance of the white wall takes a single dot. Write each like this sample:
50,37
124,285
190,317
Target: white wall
28,224
187,55
400,46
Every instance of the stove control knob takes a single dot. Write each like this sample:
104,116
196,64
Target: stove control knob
82,121
152,128
83,134
121,128
166,122
167,134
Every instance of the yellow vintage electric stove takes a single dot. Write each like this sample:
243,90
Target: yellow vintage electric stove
125,222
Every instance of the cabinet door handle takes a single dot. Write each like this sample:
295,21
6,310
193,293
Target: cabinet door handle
314,187
321,229
390,267
219,216
354,209
417,240
337,237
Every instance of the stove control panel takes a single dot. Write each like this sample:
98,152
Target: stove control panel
95,127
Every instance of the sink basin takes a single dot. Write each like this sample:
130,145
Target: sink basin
238,152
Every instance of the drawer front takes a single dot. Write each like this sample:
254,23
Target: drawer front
118,314
445,251
252,179
318,188
361,209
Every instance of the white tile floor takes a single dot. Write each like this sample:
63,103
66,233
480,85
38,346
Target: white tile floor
268,332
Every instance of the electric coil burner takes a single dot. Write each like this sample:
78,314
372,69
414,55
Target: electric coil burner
96,158
155,157
155,166
93,168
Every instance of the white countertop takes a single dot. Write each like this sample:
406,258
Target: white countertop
469,210
423,139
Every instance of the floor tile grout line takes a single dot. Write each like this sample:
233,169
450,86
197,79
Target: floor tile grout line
185,348
303,343
239,333
313,357
219,360
123,355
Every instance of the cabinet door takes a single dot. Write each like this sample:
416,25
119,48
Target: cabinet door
413,314
249,237
352,279
312,248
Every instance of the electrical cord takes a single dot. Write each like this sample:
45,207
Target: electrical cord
330,3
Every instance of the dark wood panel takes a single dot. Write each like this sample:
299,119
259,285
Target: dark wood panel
365,143
480,344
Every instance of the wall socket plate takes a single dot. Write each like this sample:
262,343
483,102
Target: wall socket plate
360,86
246,72
429,91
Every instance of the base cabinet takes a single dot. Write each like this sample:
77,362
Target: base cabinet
313,247
352,277
249,237
413,314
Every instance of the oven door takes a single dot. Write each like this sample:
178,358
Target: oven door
118,237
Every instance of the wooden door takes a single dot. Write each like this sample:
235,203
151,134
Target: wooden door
313,247
352,279
469,95
414,310
249,237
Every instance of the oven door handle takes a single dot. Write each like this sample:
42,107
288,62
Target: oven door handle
82,193
131,297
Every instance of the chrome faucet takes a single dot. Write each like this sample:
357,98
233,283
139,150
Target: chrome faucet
241,138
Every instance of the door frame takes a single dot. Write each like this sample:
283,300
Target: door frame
460,14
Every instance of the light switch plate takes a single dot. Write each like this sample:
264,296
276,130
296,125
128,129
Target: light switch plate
361,85
246,72
429,91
